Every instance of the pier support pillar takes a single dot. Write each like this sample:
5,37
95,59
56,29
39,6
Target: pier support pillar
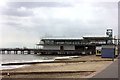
22,52
8,52
15,52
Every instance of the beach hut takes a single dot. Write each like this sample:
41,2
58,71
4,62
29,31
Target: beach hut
98,50
109,51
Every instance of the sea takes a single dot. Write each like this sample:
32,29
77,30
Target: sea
22,58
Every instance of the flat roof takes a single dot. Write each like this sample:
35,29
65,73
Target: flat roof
78,38
95,36
98,38
62,38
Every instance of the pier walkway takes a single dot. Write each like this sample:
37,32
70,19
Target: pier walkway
41,51
111,71
17,50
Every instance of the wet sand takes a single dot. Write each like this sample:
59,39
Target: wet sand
81,67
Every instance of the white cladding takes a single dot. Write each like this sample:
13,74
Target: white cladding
69,47
57,47
51,47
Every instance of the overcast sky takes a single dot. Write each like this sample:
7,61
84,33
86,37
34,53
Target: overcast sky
24,23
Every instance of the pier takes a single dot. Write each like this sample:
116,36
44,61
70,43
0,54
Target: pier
41,51
17,50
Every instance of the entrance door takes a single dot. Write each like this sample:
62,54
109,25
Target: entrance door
61,48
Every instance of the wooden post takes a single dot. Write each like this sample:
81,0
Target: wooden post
9,52
15,52
0,52
22,52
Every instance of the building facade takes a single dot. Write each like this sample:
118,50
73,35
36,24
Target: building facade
73,45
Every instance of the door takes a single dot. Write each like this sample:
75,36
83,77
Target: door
61,48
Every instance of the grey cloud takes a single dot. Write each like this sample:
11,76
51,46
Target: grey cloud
10,23
37,4
15,12
14,25
13,6
108,5
66,28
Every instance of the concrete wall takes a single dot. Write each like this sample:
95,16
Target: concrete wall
53,47
69,47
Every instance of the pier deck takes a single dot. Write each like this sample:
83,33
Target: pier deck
35,51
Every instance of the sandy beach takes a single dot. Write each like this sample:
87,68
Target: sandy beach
80,67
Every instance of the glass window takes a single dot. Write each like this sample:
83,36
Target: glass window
99,51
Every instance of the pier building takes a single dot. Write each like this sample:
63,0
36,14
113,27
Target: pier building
74,45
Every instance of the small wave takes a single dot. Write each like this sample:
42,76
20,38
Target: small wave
66,57
12,67
29,61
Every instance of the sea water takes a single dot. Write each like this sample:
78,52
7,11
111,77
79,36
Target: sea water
22,58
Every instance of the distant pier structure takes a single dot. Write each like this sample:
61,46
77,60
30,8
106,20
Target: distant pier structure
17,51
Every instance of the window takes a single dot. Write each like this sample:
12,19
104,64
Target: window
98,51
61,48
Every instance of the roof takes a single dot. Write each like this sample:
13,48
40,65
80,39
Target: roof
77,38
95,36
62,38
98,38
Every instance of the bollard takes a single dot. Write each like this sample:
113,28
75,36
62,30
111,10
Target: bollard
8,74
113,59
